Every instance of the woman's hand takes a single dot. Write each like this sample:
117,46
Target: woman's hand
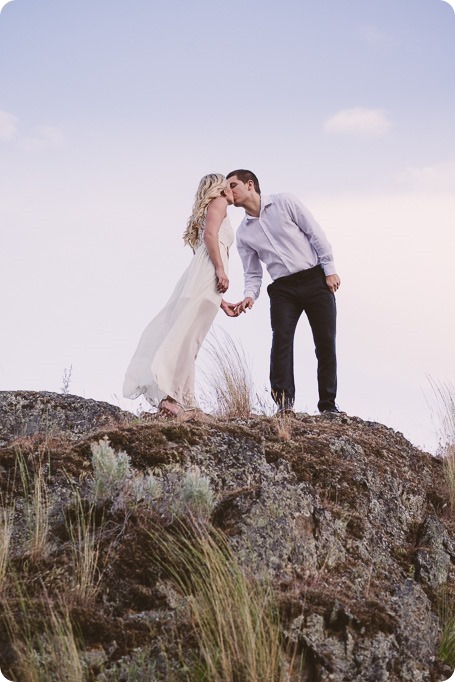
229,308
222,281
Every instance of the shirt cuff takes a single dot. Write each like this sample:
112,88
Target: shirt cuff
251,294
329,269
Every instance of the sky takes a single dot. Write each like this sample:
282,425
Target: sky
111,112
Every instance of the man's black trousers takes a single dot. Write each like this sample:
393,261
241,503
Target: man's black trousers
289,297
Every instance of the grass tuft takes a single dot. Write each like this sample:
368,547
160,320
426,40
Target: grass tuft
446,604
235,618
6,531
449,472
37,509
85,551
50,655
228,385
445,400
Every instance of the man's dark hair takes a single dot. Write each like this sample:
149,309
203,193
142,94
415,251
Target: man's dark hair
245,176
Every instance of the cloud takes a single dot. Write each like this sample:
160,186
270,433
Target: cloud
373,36
46,137
51,135
438,177
359,121
8,125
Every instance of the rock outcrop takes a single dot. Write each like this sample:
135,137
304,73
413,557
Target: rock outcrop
349,520
25,413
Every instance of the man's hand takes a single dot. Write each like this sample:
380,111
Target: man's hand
222,281
229,308
333,282
245,305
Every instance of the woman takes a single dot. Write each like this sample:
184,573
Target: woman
163,366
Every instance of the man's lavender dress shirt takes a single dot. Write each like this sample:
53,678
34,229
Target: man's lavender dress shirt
286,237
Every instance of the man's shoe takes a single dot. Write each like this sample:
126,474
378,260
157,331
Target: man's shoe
332,410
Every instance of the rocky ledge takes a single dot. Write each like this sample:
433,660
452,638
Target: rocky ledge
350,521
25,413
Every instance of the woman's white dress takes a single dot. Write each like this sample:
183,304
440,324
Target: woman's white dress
164,361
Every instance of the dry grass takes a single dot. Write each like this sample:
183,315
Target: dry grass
37,509
235,618
447,645
6,530
446,604
283,427
444,394
228,385
449,473
48,655
40,511
445,402
85,551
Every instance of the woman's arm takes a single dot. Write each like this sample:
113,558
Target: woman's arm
216,212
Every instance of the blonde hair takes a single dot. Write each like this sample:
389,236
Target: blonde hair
210,187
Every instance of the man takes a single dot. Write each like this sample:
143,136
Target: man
280,232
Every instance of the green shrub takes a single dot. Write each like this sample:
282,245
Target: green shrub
111,470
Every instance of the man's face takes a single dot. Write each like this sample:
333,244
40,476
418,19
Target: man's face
240,190
227,193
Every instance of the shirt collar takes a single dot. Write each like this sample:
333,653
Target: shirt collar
265,201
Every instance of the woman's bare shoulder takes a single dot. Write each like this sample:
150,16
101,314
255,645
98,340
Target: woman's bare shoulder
217,205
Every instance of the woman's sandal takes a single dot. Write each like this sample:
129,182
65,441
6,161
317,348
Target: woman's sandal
170,408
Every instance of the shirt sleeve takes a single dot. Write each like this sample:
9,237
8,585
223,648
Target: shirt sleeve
306,222
252,269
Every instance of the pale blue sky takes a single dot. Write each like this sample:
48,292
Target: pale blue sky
110,112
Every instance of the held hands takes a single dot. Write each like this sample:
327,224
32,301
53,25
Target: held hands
229,308
222,281
333,282
234,309
244,305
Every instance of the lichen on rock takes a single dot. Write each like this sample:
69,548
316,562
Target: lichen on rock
346,518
